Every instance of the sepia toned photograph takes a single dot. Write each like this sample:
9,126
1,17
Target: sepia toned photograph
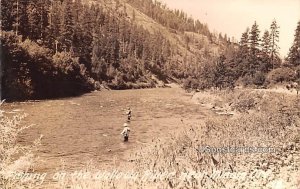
150,94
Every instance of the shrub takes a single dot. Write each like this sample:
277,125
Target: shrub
190,83
281,75
259,78
16,81
31,72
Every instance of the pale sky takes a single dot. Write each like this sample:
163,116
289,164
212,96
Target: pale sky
234,16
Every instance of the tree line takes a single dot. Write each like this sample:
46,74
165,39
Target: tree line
253,62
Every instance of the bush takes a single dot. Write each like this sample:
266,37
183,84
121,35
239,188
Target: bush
31,72
190,83
280,75
259,78
16,82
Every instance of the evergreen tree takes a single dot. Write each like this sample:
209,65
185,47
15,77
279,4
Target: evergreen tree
274,39
254,39
44,13
223,76
85,23
294,52
244,43
67,25
33,20
266,43
266,51
99,67
54,23
18,17
6,15
220,72
254,49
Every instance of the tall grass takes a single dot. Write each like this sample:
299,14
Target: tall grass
16,160
264,120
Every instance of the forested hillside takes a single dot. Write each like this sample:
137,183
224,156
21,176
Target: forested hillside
64,47
59,48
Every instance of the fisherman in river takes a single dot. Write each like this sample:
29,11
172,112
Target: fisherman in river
128,113
126,132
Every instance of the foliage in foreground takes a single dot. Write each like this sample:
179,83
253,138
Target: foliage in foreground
262,121
15,158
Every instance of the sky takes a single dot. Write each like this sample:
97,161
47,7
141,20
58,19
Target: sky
234,16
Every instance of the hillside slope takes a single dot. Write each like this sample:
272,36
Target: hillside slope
115,44
190,49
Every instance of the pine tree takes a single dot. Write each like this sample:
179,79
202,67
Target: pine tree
67,25
6,15
294,52
84,22
266,43
18,16
77,9
33,20
98,64
220,72
54,24
254,39
223,76
266,51
274,39
244,43
254,49
44,13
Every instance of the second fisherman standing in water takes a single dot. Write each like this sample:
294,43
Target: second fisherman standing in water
128,113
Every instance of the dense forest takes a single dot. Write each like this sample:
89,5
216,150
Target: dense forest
63,47
58,48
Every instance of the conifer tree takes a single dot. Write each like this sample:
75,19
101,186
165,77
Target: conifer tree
266,40
254,49
266,52
294,52
67,25
54,24
254,39
17,18
244,43
274,39
6,15
33,20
